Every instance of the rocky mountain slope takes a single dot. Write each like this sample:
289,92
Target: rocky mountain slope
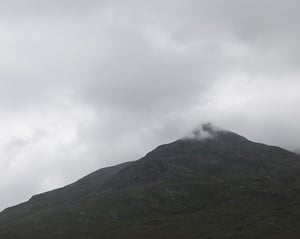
211,184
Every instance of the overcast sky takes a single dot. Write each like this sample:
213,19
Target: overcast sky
86,84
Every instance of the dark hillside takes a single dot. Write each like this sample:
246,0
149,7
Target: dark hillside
218,186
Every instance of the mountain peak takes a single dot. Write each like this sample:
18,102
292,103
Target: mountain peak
212,176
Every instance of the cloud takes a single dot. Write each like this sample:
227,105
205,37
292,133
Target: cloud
87,84
203,132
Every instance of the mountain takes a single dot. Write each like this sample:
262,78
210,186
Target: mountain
211,184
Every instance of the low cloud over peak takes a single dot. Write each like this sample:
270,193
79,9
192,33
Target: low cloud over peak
203,132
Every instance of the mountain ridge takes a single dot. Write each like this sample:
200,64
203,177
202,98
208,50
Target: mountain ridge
215,177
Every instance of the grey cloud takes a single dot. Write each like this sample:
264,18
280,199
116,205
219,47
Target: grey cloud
109,80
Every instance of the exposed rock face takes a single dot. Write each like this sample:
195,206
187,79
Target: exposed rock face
210,184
